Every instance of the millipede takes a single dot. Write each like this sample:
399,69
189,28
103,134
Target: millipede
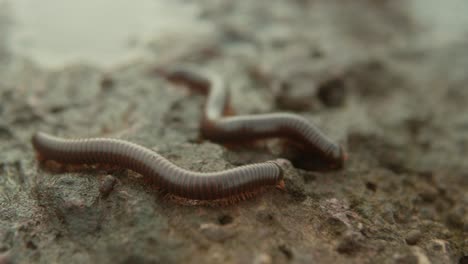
236,183
314,146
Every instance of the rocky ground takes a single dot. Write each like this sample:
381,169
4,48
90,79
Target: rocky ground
365,71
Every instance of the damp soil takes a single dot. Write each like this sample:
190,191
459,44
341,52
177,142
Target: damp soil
368,73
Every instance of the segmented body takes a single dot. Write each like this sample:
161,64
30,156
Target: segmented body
169,177
224,129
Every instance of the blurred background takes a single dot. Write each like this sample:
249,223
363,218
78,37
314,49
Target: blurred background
109,32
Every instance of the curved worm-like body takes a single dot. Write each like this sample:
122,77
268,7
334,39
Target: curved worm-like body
169,177
219,128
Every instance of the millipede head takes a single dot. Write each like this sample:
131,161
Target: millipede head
283,165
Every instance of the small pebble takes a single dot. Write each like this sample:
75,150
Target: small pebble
413,237
350,243
107,185
438,245
332,93
286,251
388,215
429,195
225,219
107,82
263,259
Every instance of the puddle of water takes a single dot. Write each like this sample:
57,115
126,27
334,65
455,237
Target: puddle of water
103,32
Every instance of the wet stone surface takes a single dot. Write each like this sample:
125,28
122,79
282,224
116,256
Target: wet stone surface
362,71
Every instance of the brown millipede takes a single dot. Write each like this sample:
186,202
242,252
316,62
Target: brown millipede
235,182
224,129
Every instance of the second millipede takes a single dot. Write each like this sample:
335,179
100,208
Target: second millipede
315,147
